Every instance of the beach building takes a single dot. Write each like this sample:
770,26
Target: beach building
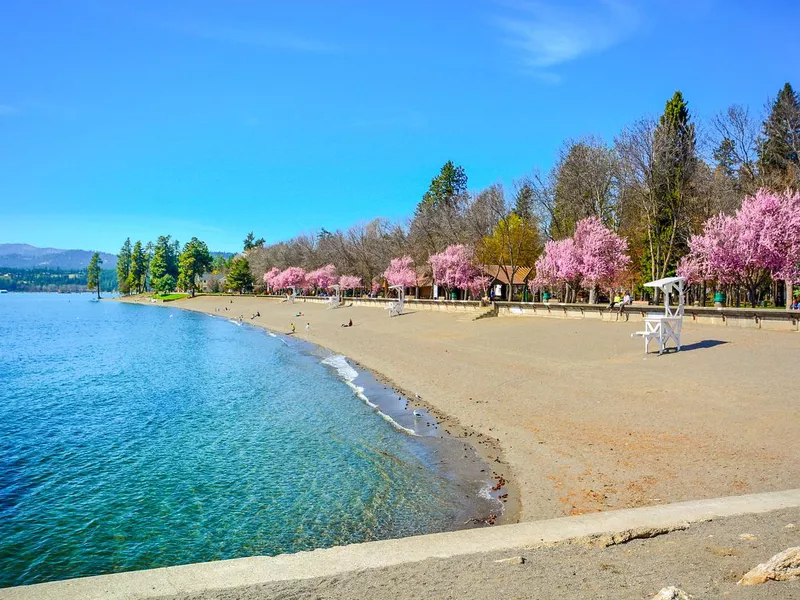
505,289
425,286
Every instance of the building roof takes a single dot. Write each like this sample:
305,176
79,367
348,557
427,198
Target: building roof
497,272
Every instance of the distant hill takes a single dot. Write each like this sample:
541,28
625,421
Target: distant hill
25,256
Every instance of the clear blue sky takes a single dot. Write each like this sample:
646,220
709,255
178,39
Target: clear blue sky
216,118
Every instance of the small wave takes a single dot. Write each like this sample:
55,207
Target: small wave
486,493
341,365
235,322
349,375
271,334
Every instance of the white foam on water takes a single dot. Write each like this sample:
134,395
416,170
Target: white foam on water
341,365
486,492
234,322
349,374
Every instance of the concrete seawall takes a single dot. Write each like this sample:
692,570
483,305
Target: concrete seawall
774,320
638,522
769,319
411,304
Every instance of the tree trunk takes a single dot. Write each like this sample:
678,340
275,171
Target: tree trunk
592,291
788,293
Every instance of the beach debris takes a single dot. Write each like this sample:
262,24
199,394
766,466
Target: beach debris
747,536
513,560
781,567
417,414
641,533
790,526
418,396
672,593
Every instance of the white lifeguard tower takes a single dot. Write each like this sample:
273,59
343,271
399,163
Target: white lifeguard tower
667,325
335,300
395,307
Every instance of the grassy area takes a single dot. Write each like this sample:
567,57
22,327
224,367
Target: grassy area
169,297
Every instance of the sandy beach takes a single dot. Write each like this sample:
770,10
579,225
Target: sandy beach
571,412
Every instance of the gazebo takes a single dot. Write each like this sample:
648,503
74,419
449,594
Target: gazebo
667,325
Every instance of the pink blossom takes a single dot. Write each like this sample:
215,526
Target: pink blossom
269,277
478,285
559,263
761,240
288,278
603,254
322,278
349,282
595,255
453,268
401,272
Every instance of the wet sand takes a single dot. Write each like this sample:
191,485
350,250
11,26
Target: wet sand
571,412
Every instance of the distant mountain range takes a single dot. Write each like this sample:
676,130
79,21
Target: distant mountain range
25,256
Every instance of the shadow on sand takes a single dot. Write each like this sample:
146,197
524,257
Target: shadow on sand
702,345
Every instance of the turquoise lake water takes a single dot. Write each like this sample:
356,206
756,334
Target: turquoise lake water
134,437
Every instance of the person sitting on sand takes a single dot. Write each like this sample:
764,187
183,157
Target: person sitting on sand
348,324
299,314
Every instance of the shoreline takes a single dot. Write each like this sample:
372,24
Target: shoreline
487,450
571,412
637,550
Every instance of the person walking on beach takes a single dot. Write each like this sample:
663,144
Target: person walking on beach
308,326
294,329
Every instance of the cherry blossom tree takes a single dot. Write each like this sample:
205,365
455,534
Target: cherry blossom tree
269,278
594,256
401,272
350,282
760,242
477,286
322,278
288,278
603,254
454,268
559,264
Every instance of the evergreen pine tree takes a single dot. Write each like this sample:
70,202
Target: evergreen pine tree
93,274
446,188
778,153
239,277
192,263
124,267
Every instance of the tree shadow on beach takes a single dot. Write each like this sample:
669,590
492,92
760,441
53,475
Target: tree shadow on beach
702,345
